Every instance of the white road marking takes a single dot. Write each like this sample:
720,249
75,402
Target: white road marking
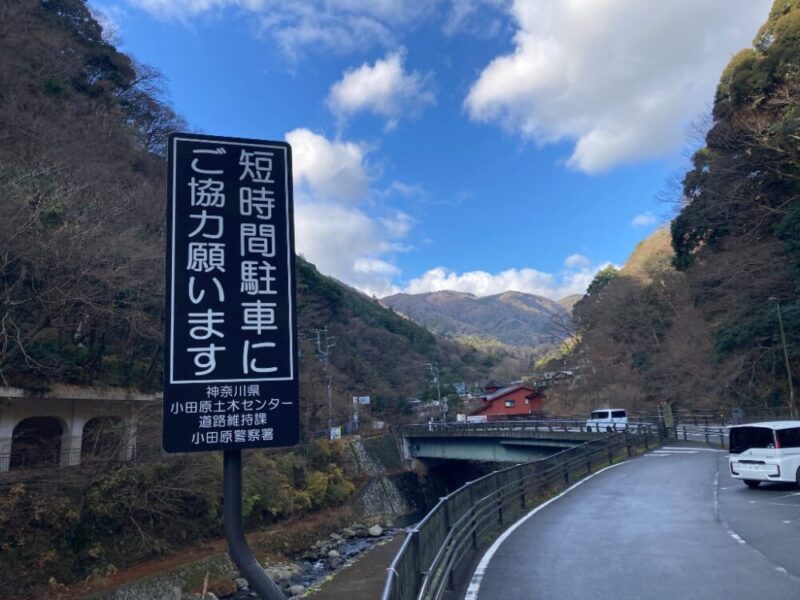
789,495
480,570
674,451
736,537
742,542
694,449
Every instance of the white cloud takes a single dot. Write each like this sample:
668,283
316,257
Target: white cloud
573,280
340,26
470,17
577,260
619,78
323,25
335,170
383,88
181,9
643,220
333,230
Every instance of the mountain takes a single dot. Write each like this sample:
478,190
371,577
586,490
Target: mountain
511,318
569,301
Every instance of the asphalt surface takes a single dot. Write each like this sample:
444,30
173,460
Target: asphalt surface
668,525
364,578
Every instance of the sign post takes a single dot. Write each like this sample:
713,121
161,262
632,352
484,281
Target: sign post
230,357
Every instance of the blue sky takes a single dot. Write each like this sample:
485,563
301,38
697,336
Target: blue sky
478,145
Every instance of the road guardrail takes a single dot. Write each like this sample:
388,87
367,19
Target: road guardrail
424,567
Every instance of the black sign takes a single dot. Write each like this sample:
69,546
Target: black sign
230,358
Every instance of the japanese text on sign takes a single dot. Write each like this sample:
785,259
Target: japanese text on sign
231,314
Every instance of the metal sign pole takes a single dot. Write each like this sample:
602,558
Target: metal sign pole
230,319
240,552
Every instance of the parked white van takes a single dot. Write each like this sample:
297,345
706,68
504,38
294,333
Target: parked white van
767,451
607,419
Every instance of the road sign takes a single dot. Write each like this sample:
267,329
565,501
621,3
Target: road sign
230,364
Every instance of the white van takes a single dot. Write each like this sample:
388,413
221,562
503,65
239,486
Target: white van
607,419
767,451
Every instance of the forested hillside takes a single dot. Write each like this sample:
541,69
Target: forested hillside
82,196
693,318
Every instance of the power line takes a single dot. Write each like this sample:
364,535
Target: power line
434,367
324,343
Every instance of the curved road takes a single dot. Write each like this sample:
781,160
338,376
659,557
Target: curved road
671,524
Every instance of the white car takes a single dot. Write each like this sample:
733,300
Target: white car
607,419
768,451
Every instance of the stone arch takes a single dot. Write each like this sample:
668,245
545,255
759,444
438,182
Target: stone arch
104,438
36,442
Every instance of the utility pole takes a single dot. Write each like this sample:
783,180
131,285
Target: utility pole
324,343
435,378
792,409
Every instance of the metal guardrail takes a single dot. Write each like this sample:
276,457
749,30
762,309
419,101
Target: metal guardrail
554,426
716,418
709,435
425,565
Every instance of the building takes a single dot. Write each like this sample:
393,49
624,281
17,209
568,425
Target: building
516,400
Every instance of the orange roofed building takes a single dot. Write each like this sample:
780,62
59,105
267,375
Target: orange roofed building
509,401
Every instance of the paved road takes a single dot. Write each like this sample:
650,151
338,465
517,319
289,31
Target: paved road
668,525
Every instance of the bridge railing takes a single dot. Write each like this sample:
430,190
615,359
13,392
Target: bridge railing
425,566
560,425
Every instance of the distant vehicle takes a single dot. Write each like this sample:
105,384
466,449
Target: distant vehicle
768,451
607,419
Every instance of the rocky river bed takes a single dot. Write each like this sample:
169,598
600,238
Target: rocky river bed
317,563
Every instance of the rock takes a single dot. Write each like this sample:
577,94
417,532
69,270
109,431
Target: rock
375,531
348,532
241,583
297,589
335,563
211,596
333,554
221,586
336,537
281,572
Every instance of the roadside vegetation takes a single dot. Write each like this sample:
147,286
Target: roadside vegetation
64,526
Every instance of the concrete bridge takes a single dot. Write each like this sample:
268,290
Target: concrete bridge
497,441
